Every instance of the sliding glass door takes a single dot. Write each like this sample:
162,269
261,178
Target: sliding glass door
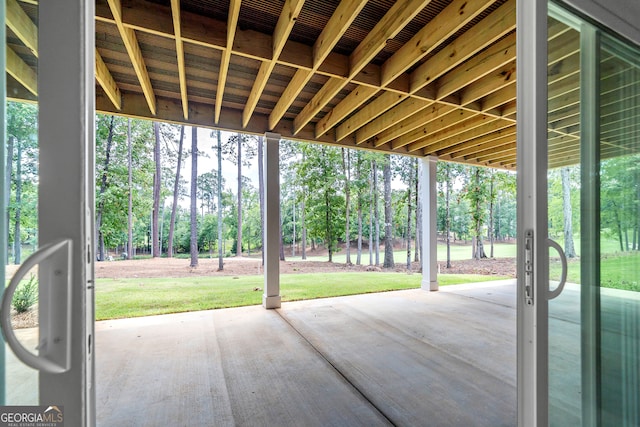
579,172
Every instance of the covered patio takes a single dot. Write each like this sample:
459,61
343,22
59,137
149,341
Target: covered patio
396,358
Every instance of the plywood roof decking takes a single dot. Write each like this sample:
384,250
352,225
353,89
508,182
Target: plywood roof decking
415,77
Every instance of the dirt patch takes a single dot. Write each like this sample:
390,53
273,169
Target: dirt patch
175,267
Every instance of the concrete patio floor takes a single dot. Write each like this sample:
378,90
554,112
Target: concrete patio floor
410,358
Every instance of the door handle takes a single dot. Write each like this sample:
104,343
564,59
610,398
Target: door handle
551,294
55,332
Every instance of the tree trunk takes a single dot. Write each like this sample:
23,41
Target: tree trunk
194,198
479,247
491,198
409,223
220,248
7,188
418,214
280,234
17,248
569,247
176,189
261,190
157,182
329,234
346,167
130,207
239,236
447,208
103,188
388,237
376,211
303,219
371,227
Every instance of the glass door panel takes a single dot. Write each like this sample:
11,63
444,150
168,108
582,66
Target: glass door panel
593,197
19,383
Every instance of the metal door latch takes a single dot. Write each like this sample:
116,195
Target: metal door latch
528,267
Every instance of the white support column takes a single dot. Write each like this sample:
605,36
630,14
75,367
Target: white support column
429,224
271,296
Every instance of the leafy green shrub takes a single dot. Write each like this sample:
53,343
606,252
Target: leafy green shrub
26,295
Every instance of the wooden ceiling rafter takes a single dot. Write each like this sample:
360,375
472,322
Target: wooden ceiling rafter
444,25
285,23
396,18
232,22
130,41
182,73
21,71
20,23
337,25
109,85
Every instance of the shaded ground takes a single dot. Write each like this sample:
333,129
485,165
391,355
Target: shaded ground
174,267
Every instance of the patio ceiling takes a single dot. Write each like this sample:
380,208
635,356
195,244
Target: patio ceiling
413,77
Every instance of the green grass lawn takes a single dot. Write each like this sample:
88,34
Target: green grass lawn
619,271
123,298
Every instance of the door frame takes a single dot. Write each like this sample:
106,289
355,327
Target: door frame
66,98
532,262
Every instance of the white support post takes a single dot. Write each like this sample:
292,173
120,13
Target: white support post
271,226
429,225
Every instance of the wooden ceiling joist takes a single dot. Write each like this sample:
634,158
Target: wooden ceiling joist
23,73
287,19
400,14
135,54
232,22
104,78
499,23
445,24
182,73
20,23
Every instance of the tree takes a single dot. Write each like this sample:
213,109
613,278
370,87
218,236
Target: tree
130,191
346,167
219,152
233,149
569,247
103,188
388,237
477,194
176,187
194,189
261,188
374,189
157,179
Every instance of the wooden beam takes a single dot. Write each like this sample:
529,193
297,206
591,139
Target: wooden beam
472,128
335,28
22,72
400,14
232,22
414,121
501,97
135,55
439,29
489,84
350,103
22,26
182,73
368,113
339,22
495,57
445,24
496,25
405,109
104,78
444,122
479,144
287,19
